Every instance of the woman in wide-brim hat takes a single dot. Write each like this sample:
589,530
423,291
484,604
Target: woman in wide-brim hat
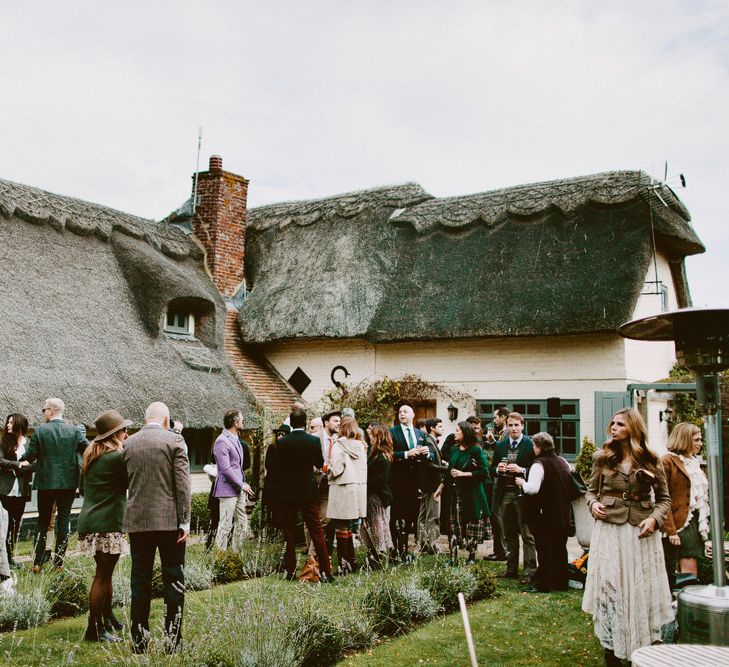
104,485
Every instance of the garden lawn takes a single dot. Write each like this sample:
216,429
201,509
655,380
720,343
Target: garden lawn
223,622
513,629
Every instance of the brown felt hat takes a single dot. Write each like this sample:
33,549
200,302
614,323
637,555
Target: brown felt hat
108,423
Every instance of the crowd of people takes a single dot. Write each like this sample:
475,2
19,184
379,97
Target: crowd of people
378,483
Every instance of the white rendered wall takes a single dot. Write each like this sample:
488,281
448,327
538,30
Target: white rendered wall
571,367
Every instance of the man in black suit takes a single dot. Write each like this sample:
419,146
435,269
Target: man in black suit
296,456
513,457
409,448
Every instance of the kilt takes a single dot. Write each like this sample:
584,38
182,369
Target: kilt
465,531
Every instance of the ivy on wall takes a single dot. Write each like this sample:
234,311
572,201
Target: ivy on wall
378,400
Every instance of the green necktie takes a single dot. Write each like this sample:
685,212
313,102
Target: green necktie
411,442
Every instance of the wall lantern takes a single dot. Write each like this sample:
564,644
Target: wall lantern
666,416
452,412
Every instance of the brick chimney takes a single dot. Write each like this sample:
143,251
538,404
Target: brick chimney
219,224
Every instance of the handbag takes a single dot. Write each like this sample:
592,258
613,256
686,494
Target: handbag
578,488
310,571
211,470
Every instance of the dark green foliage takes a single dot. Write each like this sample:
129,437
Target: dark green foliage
228,567
68,594
395,606
485,581
257,524
583,462
199,513
445,583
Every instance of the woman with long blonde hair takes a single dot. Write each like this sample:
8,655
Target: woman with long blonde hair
627,591
375,529
687,523
104,485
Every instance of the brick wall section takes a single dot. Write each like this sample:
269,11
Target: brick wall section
255,372
219,224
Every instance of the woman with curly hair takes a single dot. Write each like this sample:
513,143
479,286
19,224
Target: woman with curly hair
104,486
469,508
627,591
687,522
375,529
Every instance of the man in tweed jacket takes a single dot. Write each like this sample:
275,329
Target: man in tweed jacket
157,516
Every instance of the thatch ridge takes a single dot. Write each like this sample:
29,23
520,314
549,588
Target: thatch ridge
85,218
346,205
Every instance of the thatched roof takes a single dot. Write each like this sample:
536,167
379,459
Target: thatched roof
390,264
84,291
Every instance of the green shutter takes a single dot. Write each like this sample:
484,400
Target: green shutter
607,403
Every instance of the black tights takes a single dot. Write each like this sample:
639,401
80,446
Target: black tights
101,593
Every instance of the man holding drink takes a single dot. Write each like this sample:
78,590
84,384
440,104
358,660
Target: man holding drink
513,456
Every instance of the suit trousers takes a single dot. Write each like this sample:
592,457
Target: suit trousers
143,547
233,517
510,510
551,543
326,525
310,514
496,525
428,522
63,498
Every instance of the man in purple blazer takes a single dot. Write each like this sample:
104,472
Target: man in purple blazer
230,487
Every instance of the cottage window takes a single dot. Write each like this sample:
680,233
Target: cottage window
180,323
565,431
663,290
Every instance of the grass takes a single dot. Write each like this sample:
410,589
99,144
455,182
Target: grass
512,629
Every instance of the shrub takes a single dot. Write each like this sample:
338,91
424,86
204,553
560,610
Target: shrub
394,606
67,593
358,633
228,566
199,513
445,583
23,610
199,575
320,638
121,588
583,462
485,581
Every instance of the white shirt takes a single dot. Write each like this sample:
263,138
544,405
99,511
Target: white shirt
536,477
15,491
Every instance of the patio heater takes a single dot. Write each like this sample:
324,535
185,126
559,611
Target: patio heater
701,337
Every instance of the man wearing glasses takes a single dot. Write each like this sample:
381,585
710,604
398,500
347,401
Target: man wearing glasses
56,446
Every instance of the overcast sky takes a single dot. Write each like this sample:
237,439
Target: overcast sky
103,100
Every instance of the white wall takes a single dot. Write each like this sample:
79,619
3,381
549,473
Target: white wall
571,367
651,361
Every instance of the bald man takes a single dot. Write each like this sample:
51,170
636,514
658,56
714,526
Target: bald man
56,446
409,449
157,517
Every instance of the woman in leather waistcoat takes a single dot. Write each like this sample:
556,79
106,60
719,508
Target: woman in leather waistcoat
627,591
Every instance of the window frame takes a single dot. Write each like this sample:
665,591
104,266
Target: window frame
177,330
530,418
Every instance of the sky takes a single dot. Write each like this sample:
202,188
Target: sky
103,101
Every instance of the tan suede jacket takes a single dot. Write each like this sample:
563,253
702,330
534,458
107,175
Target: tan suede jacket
679,486
626,499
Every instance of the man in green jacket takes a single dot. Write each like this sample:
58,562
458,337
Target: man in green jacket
56,446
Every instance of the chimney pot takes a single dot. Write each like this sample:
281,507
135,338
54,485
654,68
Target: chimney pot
216,163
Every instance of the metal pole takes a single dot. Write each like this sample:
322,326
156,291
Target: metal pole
197,169
716,499
467,628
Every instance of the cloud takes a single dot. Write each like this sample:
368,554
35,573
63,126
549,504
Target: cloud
309,99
